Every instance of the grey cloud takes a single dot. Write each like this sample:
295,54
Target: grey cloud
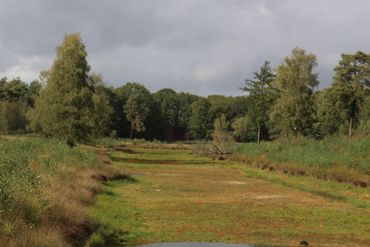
201,46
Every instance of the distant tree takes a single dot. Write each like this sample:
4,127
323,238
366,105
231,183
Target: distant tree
200,123
293,110
136,111
231,107
351,86
261,96
15,99
328,112
169,103
220,104
238,107
65,106
34,89
118,99
186,100
156,124
2,85
14,90
13,116
136,103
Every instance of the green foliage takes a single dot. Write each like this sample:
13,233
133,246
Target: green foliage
200,123
119,98
293,111
364,117
16,97
137,108
70,103
186,99
261,97
13,117
169,104
350,89
353,69
103,110
65,106
231,107
106,236
175,110
243,129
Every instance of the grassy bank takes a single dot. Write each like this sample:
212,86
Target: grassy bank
45,187
336,158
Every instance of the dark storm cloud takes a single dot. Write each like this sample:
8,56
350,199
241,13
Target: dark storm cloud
201,46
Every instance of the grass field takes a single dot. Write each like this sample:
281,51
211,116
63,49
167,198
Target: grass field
177,195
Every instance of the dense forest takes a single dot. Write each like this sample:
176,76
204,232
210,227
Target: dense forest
70,102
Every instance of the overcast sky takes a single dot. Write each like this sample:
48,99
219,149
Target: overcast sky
200,46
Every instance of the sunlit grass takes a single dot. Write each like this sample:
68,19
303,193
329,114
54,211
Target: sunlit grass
325,153
223,201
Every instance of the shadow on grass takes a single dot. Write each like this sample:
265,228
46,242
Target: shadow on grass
327,194
132,151
159,162
107,236
125,149
120,182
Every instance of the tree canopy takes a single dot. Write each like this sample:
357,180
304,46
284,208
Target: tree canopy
70,102
293,111
65,106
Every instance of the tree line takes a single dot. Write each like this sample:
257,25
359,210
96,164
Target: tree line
70,102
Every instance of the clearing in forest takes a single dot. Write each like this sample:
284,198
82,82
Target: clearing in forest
180,196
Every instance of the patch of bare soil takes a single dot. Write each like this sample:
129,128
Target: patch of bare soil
235,182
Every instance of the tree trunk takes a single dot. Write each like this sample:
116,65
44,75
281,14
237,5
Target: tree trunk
258,134
350,128
131,129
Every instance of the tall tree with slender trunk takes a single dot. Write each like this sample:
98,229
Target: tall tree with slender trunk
136,110
261,96
352,82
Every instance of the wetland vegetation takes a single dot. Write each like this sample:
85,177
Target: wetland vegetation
285,164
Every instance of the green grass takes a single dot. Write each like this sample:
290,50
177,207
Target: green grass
330,152
30,171
113,212
22,163
181,196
